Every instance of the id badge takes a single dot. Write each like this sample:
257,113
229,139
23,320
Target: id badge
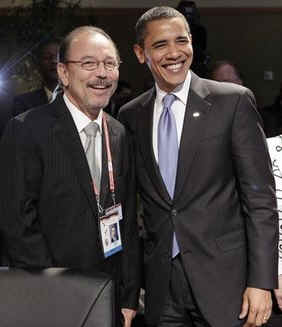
110,230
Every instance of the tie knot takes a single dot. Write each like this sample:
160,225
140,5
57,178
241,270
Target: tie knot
91,129
168,100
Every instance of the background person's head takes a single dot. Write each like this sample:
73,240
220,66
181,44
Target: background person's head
88,69
47,62
164,43
225,71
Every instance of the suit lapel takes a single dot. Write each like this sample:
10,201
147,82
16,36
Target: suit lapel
67,134
144,130
105,188
194,122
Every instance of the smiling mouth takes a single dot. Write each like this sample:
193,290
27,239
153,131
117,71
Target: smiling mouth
100,87
175,67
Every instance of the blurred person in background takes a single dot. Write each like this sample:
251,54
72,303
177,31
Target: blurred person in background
46,62
225,71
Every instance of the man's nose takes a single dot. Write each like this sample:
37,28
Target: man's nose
173,51
101,70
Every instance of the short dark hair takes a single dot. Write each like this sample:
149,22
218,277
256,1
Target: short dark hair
47,42
66,43
153,14
37,55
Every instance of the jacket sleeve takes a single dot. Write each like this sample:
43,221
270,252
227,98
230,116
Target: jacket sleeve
131,267
257,193
21,176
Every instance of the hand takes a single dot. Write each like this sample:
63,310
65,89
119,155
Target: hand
278,293
256,306
128,315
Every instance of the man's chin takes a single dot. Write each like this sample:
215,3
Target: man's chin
98,106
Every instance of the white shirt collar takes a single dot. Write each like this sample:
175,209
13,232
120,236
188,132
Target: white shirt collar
181,91
80,119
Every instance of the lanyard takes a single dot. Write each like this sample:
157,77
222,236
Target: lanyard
110,167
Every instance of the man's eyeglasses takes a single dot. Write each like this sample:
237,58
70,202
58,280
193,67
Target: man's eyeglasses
109,65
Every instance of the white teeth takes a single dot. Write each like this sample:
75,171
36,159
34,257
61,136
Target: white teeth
174,66
99,87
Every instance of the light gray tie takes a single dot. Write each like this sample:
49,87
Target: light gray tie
168,152
91,132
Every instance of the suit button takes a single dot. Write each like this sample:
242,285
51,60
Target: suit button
173,212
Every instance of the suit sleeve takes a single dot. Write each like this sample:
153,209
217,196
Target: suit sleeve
131,268
257,193
21,177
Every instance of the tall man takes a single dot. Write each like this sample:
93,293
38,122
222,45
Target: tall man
206,186
58,179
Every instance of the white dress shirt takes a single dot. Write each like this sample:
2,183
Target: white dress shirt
275,151
81,121
178,108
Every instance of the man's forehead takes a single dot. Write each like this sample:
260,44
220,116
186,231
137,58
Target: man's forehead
157,26
87,39
89,36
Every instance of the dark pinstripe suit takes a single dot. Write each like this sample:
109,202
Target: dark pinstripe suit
48,208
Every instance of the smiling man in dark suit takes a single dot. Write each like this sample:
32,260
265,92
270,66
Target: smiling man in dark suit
206,187
58,180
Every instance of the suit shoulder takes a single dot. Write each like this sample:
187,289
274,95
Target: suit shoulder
36,118
134,103
28,100
115,124
225,88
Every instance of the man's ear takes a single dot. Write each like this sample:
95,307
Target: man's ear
140,54
63,74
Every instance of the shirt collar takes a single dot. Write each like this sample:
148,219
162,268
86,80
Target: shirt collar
181,91
80,119
49,93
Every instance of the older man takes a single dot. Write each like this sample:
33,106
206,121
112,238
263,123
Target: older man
206,185
66,174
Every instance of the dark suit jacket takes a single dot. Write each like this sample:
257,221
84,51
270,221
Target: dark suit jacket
48,207
29,100
223,211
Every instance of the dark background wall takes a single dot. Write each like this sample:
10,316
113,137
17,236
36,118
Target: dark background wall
250,37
